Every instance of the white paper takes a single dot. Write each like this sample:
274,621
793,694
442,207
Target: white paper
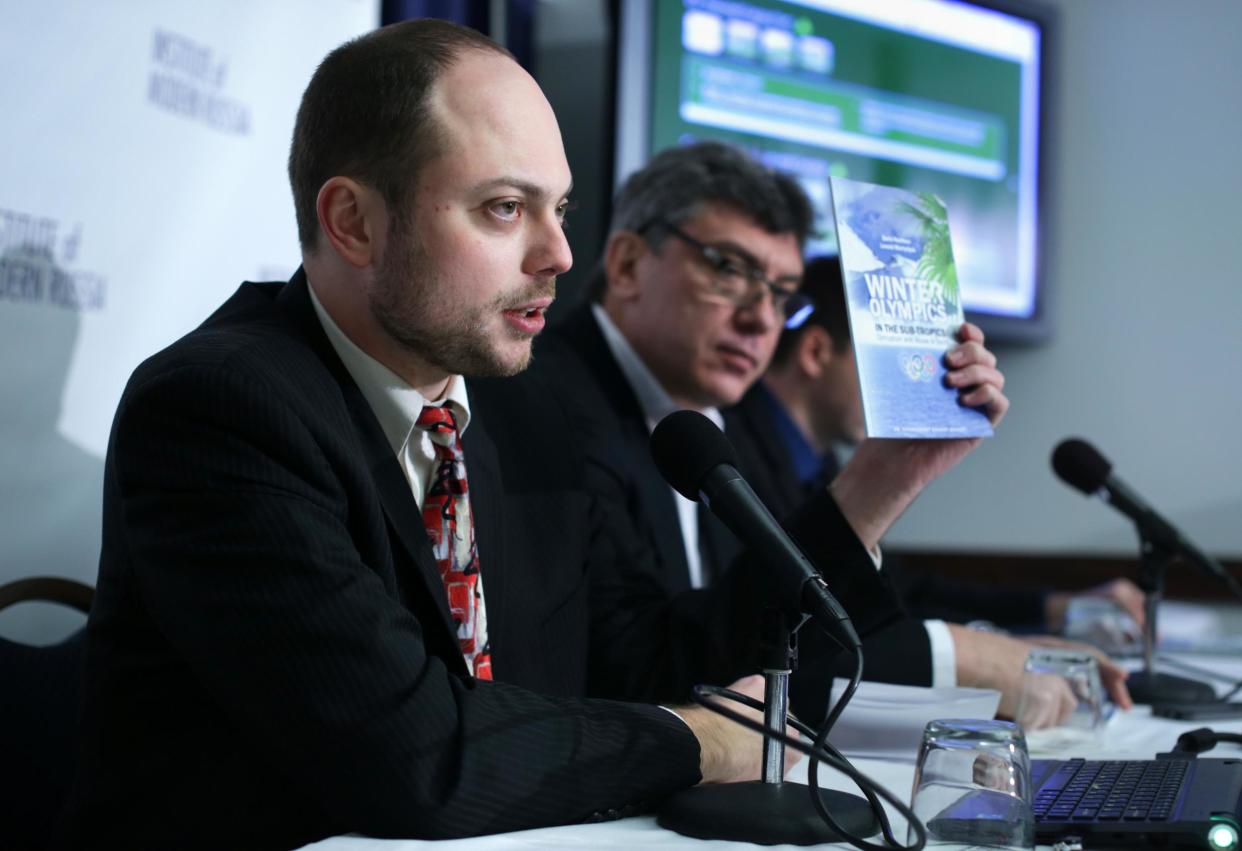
886,721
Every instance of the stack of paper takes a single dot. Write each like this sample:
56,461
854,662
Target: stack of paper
886,721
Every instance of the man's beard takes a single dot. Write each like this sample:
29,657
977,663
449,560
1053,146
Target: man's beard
420,315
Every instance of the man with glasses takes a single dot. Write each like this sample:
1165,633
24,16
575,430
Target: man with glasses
699,275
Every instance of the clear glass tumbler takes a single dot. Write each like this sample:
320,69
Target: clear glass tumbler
1062,697
972,784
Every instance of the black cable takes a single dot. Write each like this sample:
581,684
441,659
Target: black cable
877,808
846,696
826,754
1203,739
821,741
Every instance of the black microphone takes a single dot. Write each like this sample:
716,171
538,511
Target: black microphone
1080,465
699,462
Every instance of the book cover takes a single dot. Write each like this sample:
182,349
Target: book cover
904,309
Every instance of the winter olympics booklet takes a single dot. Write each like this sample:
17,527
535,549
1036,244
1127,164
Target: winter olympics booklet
904,309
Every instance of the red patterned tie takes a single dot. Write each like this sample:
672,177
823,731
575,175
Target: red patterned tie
446,514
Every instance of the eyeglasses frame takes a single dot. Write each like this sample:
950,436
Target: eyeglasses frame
795,306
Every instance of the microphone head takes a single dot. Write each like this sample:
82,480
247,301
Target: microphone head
686,446
1080,465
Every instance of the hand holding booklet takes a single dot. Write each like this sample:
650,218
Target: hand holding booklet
905,307
886,721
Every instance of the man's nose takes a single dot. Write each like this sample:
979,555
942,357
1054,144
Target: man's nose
758,315
549,253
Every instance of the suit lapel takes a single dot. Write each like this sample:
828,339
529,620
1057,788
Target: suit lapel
662,517
404,519
585,337
764,461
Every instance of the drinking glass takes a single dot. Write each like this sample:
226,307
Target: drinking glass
1062,697
972,784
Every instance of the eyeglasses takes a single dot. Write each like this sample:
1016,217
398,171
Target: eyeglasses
739,282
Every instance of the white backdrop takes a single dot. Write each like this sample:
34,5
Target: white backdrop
142,178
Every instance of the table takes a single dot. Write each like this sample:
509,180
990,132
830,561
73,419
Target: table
1128,735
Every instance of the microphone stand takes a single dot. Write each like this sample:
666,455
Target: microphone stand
772,811
1148,685
779,651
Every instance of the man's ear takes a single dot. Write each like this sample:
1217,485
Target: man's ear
815,351
350,217
625,248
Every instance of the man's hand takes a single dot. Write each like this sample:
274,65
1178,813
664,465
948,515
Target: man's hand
884,476
728,752
1124,593
1112,676
989,660
1047,700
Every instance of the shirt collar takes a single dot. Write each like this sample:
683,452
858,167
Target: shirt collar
652,397
395,403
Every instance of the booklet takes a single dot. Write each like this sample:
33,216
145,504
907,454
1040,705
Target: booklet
904,309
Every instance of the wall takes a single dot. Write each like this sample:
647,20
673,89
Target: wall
1145,215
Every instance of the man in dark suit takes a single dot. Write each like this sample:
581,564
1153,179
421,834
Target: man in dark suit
341,589
808,405
700,271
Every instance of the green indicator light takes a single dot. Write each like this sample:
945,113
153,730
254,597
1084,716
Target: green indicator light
803,26
1222,836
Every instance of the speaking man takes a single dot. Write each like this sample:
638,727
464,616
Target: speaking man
344,589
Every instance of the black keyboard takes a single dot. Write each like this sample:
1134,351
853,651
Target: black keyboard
1107,790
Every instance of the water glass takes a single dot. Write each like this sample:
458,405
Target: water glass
972,784
1062,692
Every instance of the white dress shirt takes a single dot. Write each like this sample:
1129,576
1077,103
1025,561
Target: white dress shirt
396,405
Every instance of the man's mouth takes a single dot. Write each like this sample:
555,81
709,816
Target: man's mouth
528,317
735,359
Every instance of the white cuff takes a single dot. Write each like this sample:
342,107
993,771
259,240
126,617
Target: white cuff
674,712
943,656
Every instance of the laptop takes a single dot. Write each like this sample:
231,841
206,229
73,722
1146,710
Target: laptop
1172,802
1163,802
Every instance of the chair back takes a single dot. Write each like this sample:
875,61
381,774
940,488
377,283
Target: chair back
40,697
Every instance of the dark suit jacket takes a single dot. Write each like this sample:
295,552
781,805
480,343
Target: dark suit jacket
923,593
575,355
270,656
